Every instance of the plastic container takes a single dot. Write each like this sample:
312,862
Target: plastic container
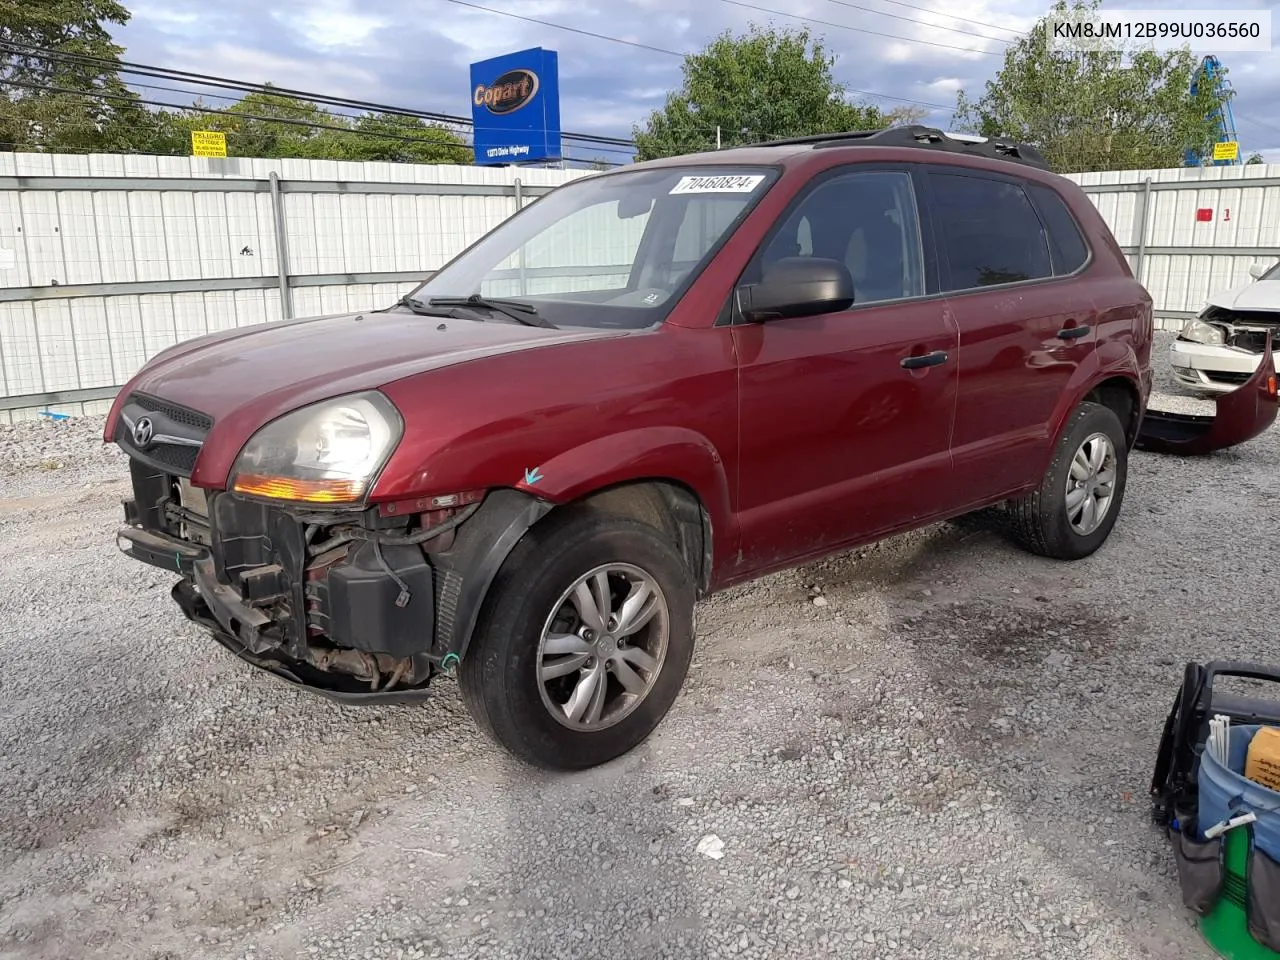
1249,855
1227,793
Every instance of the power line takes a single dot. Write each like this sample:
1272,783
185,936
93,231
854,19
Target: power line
951,16
355,132
184,76
1256,122
926,23
560,26
671,53
102,95
843,26
348,116
918,103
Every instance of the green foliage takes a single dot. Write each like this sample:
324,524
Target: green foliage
62,119
1097,110
763,85
275,125
59,105
1254,158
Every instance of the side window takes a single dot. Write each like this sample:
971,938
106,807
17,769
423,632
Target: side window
989,232
865,219
1066,242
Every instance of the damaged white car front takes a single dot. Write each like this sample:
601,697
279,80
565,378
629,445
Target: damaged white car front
1220,349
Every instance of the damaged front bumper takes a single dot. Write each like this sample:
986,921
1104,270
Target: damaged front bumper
1212,368
1242,414
359,607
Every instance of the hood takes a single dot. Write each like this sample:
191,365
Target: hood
246,377
1259,295
287,364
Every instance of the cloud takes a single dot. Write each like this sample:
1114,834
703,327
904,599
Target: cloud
330,25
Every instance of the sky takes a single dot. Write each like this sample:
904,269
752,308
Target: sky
415,53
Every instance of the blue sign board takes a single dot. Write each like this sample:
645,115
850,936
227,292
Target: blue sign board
515,107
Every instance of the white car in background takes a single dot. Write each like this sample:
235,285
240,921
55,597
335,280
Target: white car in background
1220,348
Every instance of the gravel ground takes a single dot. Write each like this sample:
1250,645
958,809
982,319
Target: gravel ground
937,747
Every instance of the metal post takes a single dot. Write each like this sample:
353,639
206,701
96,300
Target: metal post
717,136
1144,209
282,247
519,194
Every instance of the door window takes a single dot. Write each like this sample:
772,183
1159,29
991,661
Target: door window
988,231
868,221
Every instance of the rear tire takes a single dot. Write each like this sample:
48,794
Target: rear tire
1088,473
563,687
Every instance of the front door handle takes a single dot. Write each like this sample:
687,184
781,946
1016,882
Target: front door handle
925,360
1073,333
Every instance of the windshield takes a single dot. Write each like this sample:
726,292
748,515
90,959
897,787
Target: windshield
613,250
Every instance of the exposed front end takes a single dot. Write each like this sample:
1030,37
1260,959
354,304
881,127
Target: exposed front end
1220,350
358,602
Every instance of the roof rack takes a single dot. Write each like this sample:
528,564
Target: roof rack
928,138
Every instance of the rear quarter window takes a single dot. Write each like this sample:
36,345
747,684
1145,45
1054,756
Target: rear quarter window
1066,241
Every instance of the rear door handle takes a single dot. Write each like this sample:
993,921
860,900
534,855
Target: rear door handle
925,360
1073,333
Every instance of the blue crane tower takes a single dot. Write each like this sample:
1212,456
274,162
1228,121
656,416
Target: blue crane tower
1210,72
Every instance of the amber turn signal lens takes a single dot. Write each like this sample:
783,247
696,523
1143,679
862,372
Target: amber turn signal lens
305,491
1271,385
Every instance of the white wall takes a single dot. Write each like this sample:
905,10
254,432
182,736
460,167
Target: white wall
1186,259
206,237
57,237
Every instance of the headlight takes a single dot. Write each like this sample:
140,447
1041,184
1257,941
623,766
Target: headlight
329,452
1201,332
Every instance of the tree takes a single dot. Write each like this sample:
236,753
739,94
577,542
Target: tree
1104,110
906,116
60,91
64,104
274,125
393,138
763,85
1255,158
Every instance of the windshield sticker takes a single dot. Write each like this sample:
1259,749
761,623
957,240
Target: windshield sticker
722,184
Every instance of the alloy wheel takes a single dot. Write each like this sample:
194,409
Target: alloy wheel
603,646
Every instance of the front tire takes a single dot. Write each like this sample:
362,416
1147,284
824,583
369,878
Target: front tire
584,641
1072,512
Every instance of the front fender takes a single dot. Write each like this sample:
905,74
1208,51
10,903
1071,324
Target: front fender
653,453
664,452
468,568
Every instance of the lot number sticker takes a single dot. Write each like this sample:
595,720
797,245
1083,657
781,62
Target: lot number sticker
721,184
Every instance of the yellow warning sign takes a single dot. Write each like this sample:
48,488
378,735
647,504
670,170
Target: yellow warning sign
208,143
1230,150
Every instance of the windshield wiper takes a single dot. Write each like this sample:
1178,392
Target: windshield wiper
517,310
420,308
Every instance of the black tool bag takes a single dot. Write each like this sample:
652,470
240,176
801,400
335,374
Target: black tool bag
1174,790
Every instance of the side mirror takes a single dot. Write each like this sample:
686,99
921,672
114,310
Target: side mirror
797,287
1257,270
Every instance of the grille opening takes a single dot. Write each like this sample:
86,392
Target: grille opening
190,418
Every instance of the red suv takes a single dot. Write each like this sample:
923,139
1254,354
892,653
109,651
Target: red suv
647,386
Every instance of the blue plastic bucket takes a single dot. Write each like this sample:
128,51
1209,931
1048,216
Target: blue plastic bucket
1225,792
